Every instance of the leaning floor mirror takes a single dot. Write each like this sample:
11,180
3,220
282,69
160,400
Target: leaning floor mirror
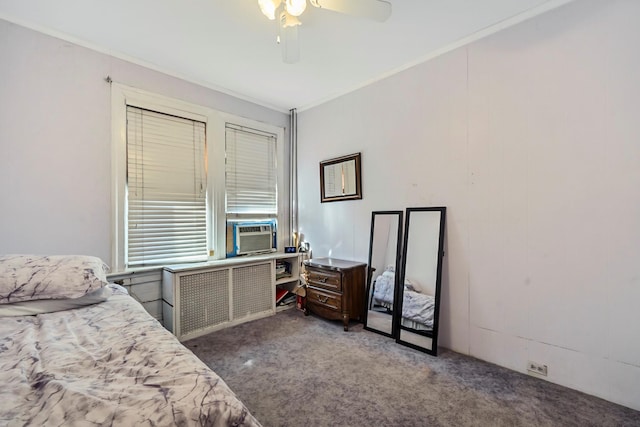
418,299
384,262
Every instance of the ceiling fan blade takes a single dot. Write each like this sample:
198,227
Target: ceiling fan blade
378,10
290,44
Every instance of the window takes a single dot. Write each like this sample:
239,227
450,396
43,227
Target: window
166,189
181,172
251,179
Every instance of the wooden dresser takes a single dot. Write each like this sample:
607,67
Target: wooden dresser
336,289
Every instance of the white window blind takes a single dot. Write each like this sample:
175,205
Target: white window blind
251,174
166,189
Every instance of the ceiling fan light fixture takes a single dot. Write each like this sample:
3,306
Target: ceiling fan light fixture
268,8
287,20
295,7
287,11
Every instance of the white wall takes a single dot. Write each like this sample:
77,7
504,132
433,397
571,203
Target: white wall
530,137
55,139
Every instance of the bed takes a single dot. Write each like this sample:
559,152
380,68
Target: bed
417,307
76,350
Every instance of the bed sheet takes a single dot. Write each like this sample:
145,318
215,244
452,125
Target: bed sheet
107,364
416,306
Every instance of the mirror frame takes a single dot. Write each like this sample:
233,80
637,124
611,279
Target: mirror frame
433,334
356,184
398,263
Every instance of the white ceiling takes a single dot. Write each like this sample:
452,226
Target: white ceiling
229,45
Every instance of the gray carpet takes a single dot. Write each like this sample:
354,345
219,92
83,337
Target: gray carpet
292,370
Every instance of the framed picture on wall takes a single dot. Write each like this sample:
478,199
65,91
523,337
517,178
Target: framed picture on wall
340,178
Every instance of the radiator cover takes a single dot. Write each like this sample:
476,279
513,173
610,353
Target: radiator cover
199,301
252,290
204,300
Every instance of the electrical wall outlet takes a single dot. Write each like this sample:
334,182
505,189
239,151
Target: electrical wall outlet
537,368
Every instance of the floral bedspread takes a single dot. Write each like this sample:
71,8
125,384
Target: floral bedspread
107,364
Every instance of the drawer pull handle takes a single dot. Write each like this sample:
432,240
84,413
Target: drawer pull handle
323,280
323,300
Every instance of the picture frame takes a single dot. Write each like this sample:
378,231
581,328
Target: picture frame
340,178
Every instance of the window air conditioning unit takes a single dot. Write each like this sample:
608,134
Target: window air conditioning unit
254,237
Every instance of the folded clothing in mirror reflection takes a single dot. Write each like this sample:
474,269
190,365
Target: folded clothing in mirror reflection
417,308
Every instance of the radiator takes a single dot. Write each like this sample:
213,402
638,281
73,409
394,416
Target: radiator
253,292
199,301
204,300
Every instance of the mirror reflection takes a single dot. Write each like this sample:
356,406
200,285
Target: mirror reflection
384,262
419,302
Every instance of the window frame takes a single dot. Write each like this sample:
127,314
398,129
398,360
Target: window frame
215,122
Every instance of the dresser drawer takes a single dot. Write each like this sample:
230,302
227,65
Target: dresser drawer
326,279
328,300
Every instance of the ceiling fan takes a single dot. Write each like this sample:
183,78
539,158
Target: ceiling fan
286,12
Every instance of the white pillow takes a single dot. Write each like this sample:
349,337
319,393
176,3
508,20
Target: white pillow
37,277
31,308
410,286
